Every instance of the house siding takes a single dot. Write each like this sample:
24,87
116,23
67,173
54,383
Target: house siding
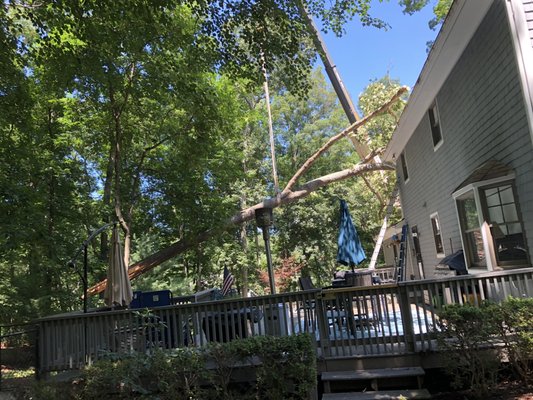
528,8
482,117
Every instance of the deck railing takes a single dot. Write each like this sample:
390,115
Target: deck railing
373,320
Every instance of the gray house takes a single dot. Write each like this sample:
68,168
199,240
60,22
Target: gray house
464,145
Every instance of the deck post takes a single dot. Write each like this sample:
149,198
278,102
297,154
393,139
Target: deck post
323,327
37,351
407,318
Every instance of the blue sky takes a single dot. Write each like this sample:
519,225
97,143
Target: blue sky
366,53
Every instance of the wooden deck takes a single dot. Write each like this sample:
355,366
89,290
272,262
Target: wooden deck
358,328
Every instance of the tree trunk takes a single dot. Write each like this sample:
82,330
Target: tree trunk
242,216
270,128
108,186
287,196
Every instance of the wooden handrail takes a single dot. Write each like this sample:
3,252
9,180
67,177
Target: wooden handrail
347,321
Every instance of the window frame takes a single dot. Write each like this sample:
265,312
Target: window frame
405,170
435,217
435,125
482,211
462,195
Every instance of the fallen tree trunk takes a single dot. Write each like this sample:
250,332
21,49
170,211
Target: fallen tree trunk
242,216
287,196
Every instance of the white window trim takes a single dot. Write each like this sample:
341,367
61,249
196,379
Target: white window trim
488,246
403,161
441,141
487,182
439,145
436,216
523,52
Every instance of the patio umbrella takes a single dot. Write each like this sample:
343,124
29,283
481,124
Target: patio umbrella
118,290
350,251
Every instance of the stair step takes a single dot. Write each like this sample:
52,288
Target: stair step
379,395
372,374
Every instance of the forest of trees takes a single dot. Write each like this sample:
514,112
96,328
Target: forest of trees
152,113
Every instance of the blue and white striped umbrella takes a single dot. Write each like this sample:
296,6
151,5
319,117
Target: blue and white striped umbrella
350,251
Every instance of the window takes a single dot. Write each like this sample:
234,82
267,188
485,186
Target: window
506,227
490,224
434,121
404,168
471,230
435,225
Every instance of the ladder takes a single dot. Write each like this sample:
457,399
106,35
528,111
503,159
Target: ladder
400,269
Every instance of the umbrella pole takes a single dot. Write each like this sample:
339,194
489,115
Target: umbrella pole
266,237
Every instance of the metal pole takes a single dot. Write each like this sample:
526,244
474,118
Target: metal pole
1,357
72,263
85,277
85,280
266,237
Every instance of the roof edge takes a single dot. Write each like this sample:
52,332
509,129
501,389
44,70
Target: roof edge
461,23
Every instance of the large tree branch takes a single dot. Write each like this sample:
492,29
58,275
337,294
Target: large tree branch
243,216
311,160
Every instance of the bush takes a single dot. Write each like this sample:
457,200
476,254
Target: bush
516,329
287,370
290,360
464,334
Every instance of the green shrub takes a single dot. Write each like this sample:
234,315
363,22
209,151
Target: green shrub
182,380
516,329
464,334
286,370
288,365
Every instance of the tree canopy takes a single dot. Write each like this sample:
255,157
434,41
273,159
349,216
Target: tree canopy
150,113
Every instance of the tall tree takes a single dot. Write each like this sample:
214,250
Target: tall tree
134,110
290,194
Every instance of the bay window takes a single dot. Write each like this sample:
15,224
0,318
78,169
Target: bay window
491,228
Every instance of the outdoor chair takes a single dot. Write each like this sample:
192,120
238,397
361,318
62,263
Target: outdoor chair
306,283
308,306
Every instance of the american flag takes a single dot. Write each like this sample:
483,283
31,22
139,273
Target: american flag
228,281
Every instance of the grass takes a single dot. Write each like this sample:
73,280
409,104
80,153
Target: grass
8,373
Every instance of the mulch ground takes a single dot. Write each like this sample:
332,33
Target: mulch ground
504,391
507,390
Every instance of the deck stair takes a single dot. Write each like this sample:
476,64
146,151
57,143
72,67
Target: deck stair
369,382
